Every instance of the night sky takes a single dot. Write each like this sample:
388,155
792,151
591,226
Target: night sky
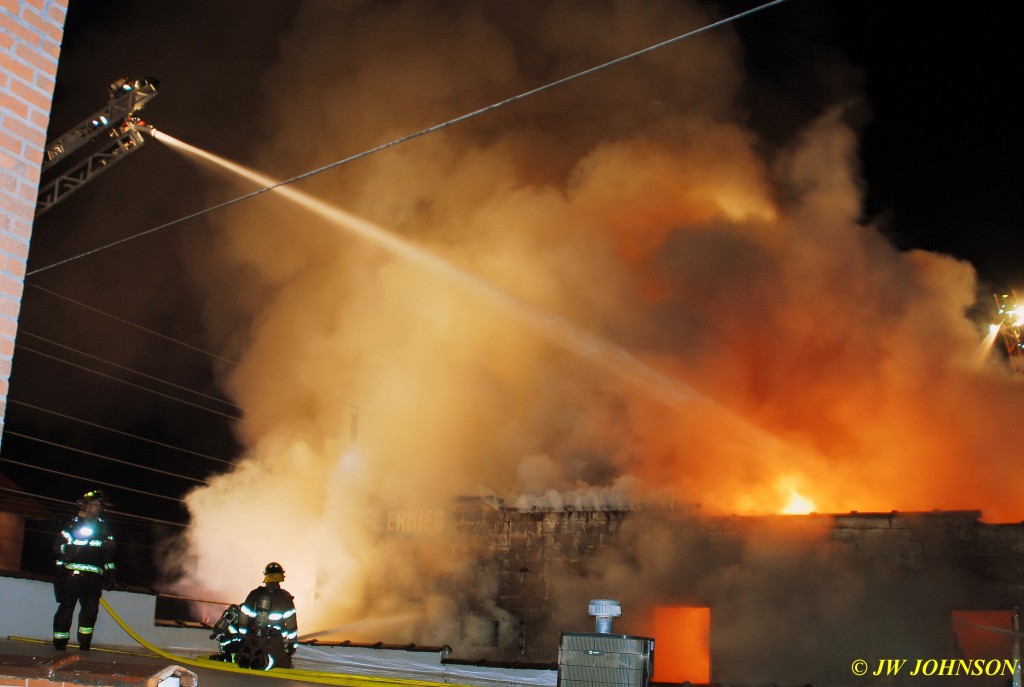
939,157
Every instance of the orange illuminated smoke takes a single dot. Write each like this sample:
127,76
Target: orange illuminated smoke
682,644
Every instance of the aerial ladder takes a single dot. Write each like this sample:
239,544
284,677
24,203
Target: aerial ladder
116,120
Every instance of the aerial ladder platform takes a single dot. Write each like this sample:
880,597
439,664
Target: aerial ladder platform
1010,324
117,120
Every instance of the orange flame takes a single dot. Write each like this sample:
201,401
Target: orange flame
798,505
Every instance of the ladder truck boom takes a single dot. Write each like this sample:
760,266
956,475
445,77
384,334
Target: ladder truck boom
125,99
127,139
117,121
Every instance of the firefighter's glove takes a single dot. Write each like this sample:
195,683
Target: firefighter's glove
109,581
289,649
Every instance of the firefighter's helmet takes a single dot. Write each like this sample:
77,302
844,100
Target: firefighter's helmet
273,569
95,495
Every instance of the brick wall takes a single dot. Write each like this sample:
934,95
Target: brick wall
30,38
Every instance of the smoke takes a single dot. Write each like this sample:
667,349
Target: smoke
642,204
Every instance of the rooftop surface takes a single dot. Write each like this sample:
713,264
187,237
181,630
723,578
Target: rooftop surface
23,660
128,643
28,659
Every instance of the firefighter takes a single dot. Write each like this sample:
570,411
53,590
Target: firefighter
85,567
268,624
228,633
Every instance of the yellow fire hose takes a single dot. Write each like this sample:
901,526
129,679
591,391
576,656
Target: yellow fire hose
320,677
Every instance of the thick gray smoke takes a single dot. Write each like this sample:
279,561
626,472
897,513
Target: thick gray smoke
639,203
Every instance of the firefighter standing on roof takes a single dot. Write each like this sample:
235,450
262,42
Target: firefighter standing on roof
85,567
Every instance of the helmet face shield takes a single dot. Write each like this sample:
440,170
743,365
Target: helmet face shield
273,573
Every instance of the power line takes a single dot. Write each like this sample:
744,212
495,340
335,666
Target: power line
121,543
147,389
103,457
92,481
117,431
417,134
131,384
67,505
116,516
188,345
129,369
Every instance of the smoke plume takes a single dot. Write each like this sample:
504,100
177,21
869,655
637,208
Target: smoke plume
643,205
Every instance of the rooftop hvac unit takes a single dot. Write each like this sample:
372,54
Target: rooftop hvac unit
604,660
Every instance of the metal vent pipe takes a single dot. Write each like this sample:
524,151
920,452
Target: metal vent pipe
603,611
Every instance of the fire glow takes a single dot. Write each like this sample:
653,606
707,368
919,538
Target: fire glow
798,505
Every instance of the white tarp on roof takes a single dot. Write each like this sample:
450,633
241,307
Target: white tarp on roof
419,665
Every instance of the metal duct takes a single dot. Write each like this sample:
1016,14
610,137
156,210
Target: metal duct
603,611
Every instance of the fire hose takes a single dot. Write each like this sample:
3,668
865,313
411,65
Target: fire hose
315,676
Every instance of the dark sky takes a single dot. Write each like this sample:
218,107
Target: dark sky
939,152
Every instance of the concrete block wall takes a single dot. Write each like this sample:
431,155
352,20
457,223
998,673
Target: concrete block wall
912,541
29,607
526,544
529,547
30,37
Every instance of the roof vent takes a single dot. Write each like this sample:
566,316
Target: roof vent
603,611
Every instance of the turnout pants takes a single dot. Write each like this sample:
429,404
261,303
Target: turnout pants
263,653
72,588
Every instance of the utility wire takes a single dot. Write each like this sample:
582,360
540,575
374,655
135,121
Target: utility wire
11,401
129,369
409,137
103,457
152,391
92,481
124,381
155,392
121,543
187,345
66,505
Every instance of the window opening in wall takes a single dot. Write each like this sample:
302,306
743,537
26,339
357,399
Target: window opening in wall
991,637
682,647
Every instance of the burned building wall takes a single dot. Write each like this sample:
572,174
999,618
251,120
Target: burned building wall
529,549
780,589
